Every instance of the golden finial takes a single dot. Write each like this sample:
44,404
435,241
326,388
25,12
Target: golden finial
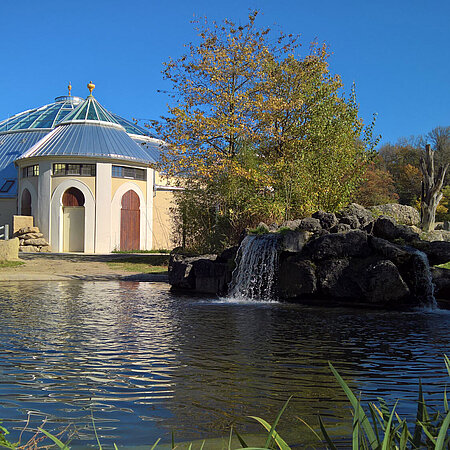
91,87
70,88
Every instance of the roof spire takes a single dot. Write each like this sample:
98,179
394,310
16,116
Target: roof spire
69,88
91,87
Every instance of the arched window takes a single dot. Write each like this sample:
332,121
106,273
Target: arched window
25,204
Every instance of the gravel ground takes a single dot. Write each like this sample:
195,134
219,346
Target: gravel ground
48,267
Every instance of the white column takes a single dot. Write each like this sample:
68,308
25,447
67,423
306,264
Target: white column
149,207
103,208
43,204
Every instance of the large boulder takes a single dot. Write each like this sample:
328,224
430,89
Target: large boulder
438,252
293,241
402,214
327,220
181,273
296,277
395,253
441,280
310,224
211,277
334,246
368,280
355,215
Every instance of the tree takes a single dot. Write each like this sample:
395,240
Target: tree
261,132
378,187
432,188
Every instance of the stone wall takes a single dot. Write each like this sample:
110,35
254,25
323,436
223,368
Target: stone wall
9,250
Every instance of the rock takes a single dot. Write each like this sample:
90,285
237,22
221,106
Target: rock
45,249
296,278
31,236
37,242
368,280
383,284
293,241
228,255
387,250
438,252
262,228
29,249
327,220
340,228
385,228
181,274
211,277
26,230
310,224
435,235
407,233
441,280
402,214
333,282
291,224
355,215
351,244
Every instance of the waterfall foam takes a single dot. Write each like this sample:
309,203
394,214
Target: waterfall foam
257,264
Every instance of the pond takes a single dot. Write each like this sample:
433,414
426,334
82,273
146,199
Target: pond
145,362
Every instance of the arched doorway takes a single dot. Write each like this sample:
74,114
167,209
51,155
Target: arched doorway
25,204
73,220
130,222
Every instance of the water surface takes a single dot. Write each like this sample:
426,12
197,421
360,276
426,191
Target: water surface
145,362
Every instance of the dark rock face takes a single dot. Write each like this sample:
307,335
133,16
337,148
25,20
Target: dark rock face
349,257
310,224
294,241
441,280
355,215
327,220
296,277
350,244
438,252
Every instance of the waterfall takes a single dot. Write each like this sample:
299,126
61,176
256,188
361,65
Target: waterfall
257,263
424,286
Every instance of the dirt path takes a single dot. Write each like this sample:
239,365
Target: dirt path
47,269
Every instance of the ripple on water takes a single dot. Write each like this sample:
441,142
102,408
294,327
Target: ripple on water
145,362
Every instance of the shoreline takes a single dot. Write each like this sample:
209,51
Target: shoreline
77,267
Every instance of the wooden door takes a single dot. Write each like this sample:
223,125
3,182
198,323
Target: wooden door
25,207
130,224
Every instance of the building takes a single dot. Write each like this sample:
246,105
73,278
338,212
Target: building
85,175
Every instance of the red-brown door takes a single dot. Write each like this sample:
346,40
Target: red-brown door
130,222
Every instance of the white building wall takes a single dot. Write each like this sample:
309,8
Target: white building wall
103,210
43,205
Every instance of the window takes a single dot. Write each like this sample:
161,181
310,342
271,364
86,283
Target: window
128,172
7,185
30,171
63,169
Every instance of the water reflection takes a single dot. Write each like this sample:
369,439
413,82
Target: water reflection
144,362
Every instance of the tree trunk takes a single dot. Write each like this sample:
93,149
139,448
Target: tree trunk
431,188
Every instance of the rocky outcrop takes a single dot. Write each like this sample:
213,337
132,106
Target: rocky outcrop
353,257
31,240
402,214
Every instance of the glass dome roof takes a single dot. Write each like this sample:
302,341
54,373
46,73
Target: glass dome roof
66,108
46,116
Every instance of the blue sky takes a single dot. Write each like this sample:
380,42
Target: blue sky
397,52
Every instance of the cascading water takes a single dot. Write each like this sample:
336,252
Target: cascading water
424,286
257,264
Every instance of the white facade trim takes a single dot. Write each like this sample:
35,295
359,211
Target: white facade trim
56,216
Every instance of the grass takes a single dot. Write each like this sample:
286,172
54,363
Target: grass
7,264
136,267
161,250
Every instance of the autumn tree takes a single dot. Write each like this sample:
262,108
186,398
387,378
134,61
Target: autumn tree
261,133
